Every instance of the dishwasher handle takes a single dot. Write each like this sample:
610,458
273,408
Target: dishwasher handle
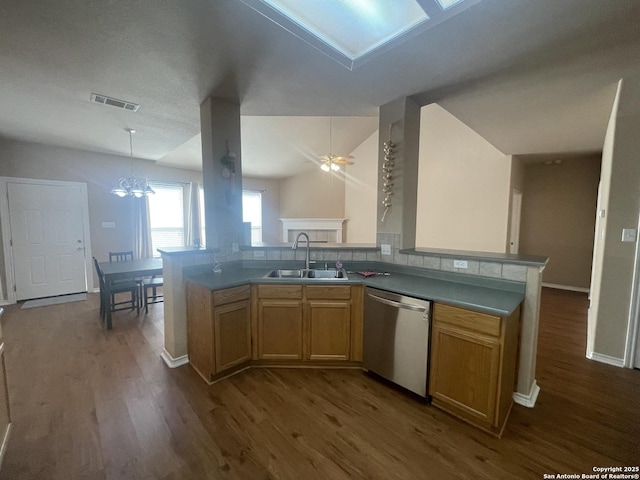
406,306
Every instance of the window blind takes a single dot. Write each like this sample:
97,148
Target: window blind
166,215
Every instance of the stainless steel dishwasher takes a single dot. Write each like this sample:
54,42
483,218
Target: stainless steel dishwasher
396,338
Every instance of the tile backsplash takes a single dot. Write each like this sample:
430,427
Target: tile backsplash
482,267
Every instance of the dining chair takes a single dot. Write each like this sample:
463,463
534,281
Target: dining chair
103,308
152,284
121,256
125,256
121,286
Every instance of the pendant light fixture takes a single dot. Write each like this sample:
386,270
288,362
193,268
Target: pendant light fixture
132,186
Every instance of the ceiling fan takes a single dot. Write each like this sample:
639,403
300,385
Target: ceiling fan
331,162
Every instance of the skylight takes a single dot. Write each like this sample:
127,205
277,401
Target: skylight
353,32
444,4
353,27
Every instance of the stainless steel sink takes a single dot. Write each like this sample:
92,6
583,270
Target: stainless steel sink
329,273
312,274
285,274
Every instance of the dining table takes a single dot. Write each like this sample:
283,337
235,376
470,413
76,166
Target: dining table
143,267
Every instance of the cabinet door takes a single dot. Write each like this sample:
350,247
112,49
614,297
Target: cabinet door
465,372
280,329
232,334
200,330
329,330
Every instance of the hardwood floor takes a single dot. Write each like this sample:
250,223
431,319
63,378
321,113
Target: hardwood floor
95,404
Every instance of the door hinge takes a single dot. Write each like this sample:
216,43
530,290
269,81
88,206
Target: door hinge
14,288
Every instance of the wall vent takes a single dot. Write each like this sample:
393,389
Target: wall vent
114,102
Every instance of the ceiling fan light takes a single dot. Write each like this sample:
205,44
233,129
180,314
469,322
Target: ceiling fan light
335,167
325,167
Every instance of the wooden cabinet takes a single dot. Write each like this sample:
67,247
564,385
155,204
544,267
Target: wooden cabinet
232,335
315,323
280,312
218,329
279,324
473,365
328,322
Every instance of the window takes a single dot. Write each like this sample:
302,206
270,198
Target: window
252,212
166,215
203,232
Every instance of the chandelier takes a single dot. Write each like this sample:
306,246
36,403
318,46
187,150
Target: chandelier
132,186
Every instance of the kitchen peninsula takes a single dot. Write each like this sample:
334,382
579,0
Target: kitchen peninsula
237,301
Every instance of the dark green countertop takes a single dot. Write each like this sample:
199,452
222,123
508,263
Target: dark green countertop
435,287
474,297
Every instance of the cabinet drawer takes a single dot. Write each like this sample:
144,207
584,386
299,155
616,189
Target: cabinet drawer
280,291
230,295
475,321
342,292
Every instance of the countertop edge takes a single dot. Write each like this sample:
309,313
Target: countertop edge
503,303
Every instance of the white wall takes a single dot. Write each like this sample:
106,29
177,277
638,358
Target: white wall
612,293
360,194
313,194
463,187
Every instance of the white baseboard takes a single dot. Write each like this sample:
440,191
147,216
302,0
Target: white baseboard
565,287
609,360
5,441
174,362
529,400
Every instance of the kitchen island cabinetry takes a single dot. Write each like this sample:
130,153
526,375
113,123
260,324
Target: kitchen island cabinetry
307,323
279,322
218,329
473,365
328,320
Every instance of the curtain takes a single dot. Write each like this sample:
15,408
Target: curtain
142,228
193,218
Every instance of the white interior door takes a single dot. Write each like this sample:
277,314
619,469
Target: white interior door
47,237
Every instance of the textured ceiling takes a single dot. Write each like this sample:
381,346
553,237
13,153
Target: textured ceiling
530,76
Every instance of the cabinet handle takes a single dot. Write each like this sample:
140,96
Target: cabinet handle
406,306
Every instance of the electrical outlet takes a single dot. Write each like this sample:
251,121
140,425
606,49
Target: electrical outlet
235,248
385,249
628,234
258,254
460,264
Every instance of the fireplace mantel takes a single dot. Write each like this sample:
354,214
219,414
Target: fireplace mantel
312,224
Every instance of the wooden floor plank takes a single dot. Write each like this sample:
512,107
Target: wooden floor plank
94,404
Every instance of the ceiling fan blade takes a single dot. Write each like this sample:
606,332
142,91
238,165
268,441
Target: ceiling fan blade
343,160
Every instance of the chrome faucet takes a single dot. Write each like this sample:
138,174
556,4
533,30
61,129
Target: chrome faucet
295,247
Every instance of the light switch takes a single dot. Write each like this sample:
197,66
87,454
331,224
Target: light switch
385,249
108,224
628,234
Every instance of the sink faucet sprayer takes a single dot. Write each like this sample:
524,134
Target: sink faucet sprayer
295,247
